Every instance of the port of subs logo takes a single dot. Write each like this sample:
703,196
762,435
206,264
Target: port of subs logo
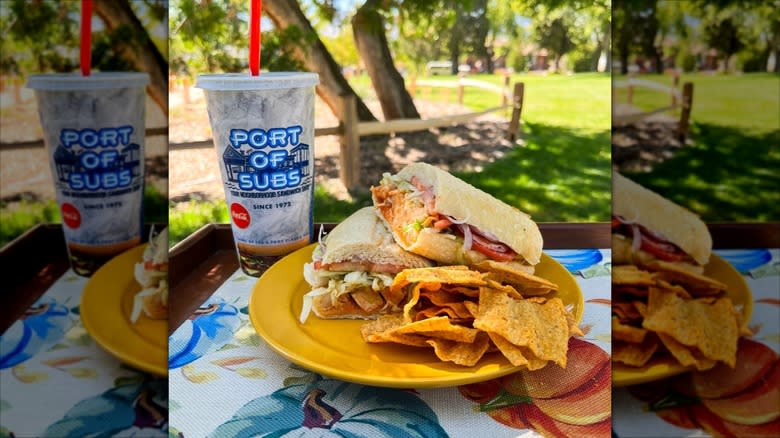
240,215
70,215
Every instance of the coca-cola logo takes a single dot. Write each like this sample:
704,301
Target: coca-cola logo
240,215
70,215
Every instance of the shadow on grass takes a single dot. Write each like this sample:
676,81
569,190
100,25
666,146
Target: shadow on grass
726,175
559,175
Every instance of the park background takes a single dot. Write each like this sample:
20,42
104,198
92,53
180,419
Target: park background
729,50
403,60
558,167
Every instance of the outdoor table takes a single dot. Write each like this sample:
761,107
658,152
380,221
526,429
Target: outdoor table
55,380
74,374
213,375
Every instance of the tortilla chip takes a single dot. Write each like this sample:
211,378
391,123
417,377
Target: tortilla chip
574,329
630,275
542,328
459,275
472,307
635,355
626,312
397,338
524,282
627,333
517,356
471,292
711,327
457,314
381,325
641,307
635,291
695,283
509,290
687,356
441,297
461,353
679,290
439,327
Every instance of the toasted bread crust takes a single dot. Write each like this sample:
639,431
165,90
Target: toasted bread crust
364,237
660,215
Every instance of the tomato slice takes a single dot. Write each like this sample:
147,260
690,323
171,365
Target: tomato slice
442,224
664,251
496,251
318,264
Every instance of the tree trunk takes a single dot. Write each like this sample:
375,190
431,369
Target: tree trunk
369,33
659,62
140,51
316,58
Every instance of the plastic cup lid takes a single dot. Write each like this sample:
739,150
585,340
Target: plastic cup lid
263,81
95,81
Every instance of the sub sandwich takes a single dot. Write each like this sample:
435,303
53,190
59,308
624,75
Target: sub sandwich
352,269
152,275
438,216
648,228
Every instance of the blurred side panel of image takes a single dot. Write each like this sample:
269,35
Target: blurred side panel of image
696,120
83,217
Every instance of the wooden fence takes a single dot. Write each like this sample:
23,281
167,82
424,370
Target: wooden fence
351,129
682,100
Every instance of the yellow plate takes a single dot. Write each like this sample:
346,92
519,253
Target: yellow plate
335,348
666,366
105,311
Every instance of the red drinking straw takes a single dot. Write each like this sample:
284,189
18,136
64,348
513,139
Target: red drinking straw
86,36
254,36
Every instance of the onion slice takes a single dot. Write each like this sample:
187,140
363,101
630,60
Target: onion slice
468,238
308,302
455,221
637,236
319,237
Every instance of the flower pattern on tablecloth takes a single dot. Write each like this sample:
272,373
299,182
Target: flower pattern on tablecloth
315,406
138,408
205,331
42,325
720,402
49,360
554,401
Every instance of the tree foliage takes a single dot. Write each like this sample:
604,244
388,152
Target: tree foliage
213,36
43,36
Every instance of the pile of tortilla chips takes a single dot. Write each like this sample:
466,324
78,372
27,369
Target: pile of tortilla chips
463,314
664,307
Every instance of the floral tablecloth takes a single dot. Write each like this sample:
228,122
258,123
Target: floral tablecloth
56,381
742,403
225,379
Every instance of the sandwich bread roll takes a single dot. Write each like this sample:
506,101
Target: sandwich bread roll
445,196
669,221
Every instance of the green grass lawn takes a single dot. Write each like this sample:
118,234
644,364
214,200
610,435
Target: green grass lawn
17,218
562,170
730,171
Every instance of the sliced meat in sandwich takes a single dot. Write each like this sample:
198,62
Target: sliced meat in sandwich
352,270
648,228
438,216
